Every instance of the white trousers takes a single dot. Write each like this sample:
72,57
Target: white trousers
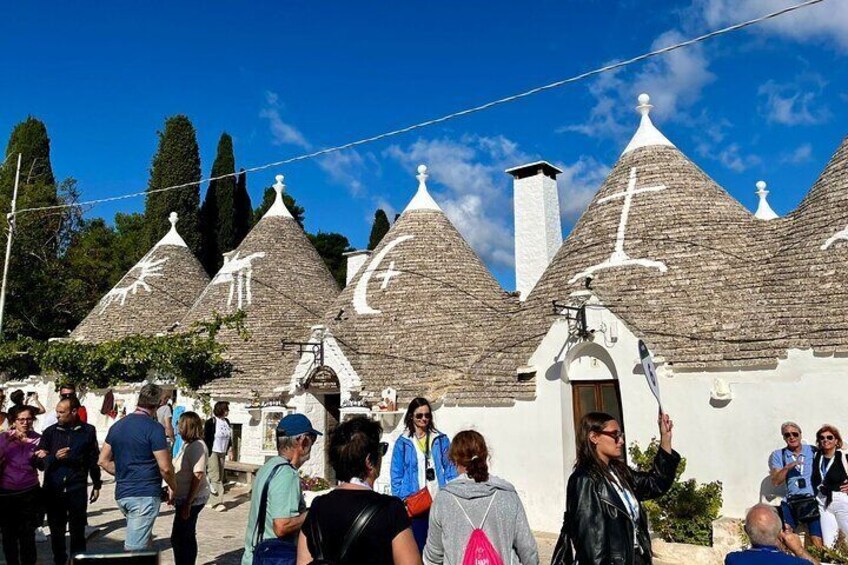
835,518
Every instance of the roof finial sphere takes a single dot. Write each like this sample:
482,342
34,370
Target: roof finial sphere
644,99
422,169
173,218
761,185
279,178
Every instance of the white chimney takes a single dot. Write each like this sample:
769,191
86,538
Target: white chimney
538,231
355,261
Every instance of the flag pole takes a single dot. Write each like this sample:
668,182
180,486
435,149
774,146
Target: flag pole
10,217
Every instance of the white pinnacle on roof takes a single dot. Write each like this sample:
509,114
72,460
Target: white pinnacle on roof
172,237
764,211
647,134
279,207
422,199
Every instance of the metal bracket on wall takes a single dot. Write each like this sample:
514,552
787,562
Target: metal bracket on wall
576,314
316,349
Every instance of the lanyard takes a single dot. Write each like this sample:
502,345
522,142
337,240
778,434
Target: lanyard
824,469
627,497
800,460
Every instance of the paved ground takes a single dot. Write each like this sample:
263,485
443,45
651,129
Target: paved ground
220,535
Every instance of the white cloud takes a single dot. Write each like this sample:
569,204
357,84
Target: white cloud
795,103
675,82
282,133
467,180
577,184
346,168
801,154
822,23
732,158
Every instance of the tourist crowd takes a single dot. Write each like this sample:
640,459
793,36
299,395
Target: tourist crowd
445,507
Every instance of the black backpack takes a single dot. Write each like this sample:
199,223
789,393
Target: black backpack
353,533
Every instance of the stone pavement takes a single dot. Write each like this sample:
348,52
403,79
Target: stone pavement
220,535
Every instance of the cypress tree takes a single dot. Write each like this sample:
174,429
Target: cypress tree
242,208
177,162
217,228
379,229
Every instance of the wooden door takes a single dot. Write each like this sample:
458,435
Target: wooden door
596,396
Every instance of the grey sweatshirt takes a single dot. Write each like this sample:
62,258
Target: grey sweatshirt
506,526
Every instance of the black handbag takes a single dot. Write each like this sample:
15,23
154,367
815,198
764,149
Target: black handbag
804,508
562,551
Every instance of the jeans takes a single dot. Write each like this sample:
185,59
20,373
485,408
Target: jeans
21,515
141,513
67,510
184,536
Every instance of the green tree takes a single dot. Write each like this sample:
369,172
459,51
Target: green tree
379,229
268,199
217,226
332,247
92,266
242,209
130,240
177,162
36,305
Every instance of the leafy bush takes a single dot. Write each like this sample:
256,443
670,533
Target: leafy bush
314,484
838,554
191,358
684,514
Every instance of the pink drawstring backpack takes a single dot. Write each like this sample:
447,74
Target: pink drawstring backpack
480,550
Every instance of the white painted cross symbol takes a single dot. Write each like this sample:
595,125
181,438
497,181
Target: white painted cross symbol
388,274
841,235
619,257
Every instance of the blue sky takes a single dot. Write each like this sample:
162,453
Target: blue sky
287,77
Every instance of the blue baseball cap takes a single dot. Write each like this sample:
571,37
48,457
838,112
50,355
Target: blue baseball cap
294,425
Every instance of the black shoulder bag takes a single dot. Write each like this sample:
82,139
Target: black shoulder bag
804,508
353,533
274,551
562,551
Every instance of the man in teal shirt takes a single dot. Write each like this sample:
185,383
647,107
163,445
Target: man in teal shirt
285,509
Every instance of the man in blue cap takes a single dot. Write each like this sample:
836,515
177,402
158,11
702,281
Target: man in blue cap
278,483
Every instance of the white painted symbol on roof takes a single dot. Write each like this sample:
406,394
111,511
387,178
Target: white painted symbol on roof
360,293
619,257
388,274
842,235
148,267
238,273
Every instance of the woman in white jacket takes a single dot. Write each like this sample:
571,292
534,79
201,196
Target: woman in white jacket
476,499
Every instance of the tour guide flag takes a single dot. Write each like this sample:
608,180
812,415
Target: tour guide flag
650,371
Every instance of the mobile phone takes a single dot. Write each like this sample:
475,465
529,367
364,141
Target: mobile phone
431,474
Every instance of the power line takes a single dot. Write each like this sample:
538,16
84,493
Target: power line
454,115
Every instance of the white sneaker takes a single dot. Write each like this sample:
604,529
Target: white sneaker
220,508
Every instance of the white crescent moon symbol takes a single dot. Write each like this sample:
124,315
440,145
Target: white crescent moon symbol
360,293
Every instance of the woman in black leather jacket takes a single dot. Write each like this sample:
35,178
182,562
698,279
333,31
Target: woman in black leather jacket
605,520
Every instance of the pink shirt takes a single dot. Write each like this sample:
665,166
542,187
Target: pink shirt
17,458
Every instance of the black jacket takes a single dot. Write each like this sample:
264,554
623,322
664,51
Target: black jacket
72,472
598,524
835,478
209,434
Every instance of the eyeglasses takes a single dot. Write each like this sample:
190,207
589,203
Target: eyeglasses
616,435
826,438
791,434
25,420
424,416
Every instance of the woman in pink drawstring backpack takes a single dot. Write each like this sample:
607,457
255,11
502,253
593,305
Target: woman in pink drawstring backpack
477,518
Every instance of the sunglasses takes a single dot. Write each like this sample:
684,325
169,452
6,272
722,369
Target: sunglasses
616,436
826,438
425,416
25,420
791,434
384,448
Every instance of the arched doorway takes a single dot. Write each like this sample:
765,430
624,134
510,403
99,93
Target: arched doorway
590,371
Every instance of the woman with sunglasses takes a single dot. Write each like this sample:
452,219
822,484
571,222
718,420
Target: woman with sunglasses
792,467
19,488
830,481
420,461
352,523
606,522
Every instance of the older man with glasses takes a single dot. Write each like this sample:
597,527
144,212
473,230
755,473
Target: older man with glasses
792,466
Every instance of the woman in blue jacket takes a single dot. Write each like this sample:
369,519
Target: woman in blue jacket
419,460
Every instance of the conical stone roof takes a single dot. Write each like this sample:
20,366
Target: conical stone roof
277,277
420,309
665,249
152,297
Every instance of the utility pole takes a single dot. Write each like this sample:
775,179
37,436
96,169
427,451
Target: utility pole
10,217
